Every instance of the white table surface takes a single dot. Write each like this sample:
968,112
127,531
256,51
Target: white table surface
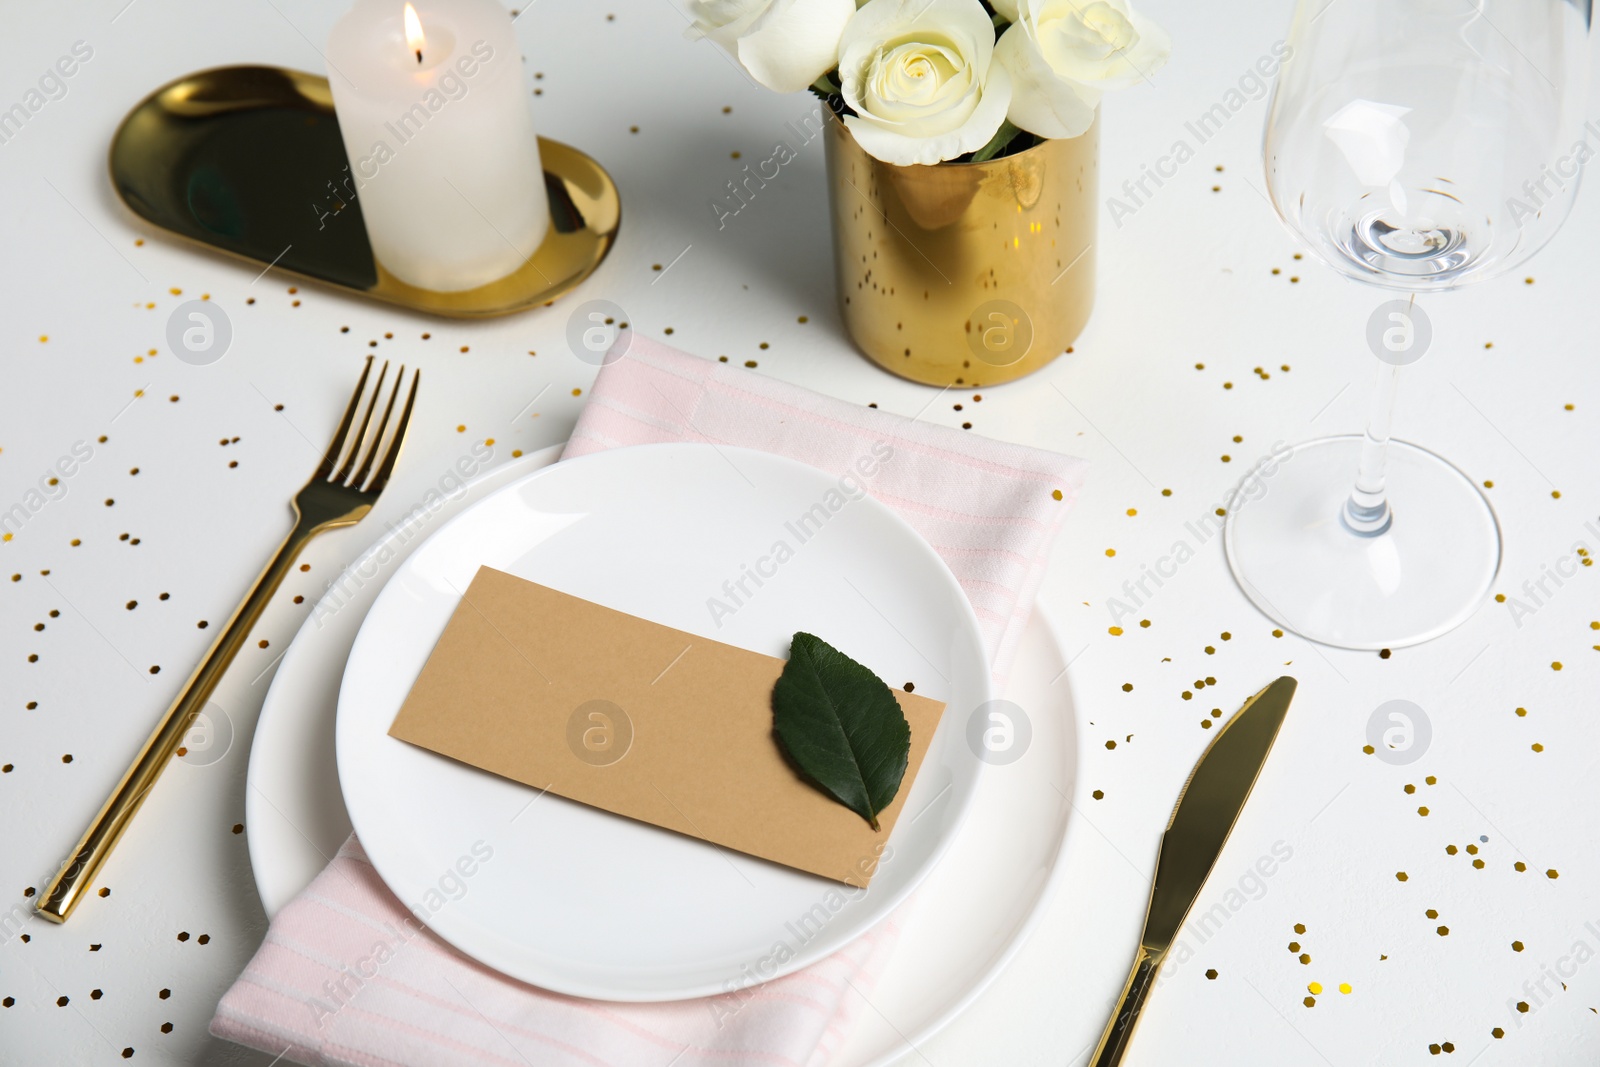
1188,279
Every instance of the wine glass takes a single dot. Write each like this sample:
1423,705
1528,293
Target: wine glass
1415,145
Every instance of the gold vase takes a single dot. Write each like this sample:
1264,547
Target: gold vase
964,273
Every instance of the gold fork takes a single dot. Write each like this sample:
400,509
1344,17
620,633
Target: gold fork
328,501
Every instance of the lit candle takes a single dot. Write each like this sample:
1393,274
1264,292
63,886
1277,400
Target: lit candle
438,126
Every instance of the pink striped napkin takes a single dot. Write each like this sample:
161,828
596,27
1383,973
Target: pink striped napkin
347,975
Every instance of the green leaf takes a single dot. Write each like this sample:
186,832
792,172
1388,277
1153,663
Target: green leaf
841,726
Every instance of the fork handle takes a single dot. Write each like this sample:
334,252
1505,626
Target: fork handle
1125,1016
64,892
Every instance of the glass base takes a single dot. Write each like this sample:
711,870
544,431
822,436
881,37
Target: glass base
1296,561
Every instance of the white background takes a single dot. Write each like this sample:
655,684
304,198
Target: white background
1188,279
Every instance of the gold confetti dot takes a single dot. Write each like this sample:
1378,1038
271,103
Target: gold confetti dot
1144,624
1055,494
1299,928
1111,744
1127,687
1305,957
1294,946
1098,795
1499,598
1450,850
1519,866
1166,492
1314,987
1410,788
1444,931
1132,512
1277,633
1368,749
1212,974
1516,946
1400,876
1522,713
1555,666
1111,552
1538,747
1115,631
1552,873
1497,1033
577,392
1310,1002
1345,988
1423,811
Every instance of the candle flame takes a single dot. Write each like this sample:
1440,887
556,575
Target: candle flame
414,38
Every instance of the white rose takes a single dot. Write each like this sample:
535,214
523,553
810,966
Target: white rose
919,76
1007,9
1063,53
783,44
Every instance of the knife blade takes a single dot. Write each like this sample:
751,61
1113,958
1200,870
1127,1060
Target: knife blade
1204,816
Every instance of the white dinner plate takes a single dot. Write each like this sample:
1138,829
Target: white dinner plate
964,924
587,903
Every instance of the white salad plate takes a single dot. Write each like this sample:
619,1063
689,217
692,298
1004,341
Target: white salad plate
582,901
969,917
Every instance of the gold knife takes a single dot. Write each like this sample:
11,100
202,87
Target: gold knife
1207,808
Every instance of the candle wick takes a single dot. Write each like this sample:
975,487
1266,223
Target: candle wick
419,56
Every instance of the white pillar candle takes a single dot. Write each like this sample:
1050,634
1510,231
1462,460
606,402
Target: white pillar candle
438,125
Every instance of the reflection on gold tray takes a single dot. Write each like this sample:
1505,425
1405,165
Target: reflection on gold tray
249,160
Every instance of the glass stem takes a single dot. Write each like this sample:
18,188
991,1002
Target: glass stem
1367,513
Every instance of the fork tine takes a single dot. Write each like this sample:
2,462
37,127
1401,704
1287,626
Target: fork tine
381,479
383,423
361,434
332,455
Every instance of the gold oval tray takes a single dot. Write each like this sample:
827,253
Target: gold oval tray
249,160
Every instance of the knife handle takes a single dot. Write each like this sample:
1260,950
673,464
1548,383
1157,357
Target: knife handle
1125,1016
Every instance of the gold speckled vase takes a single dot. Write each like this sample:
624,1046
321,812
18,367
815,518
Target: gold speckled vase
964,273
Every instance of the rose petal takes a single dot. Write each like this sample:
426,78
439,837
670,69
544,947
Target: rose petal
900,123
881,141
794,42
1146,55
1042,102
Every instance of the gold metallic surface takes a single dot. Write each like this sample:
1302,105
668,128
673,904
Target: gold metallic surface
326,502
1204,816
964,273
249,160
